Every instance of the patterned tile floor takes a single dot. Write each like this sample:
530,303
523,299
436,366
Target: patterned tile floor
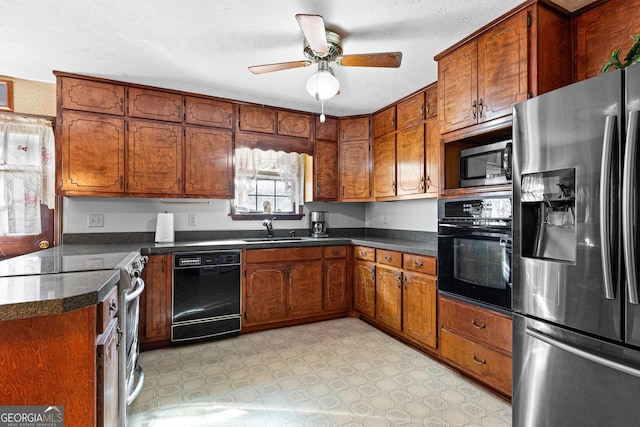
341,372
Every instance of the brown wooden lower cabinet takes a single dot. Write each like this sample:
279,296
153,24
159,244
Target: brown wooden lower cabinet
155,303
477,341
68,359
364,287
293,284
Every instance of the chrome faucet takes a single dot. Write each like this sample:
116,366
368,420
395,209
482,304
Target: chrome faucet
267,223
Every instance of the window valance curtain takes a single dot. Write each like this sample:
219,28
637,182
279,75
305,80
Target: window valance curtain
27,173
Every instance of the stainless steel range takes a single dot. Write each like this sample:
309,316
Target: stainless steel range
131,375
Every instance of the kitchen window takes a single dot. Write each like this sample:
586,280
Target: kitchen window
267,184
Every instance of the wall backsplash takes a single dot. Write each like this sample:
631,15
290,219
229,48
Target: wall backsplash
139,215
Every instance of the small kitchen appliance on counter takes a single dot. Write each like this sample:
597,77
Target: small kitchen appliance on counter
318,224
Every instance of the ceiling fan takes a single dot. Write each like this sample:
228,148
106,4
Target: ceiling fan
323,47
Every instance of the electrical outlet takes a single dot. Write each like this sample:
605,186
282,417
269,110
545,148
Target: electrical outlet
191,220
95,220
385,219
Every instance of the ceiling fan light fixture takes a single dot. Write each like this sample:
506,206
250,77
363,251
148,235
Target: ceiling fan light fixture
323,84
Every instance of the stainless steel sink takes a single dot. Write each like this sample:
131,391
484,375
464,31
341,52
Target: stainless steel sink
273,239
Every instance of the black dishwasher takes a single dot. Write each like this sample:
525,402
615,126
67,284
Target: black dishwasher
206,295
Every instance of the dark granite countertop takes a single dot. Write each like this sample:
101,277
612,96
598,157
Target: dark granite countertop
40,283
45,294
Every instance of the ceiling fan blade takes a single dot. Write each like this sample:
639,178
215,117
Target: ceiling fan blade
384,59
313,28
267,68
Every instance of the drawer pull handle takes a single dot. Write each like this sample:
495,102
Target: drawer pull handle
475,325
417,263
113,306
479,362
387,258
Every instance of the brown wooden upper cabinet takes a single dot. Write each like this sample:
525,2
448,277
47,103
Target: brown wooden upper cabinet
522,54
325,171
156,105
328,130
91,96
208,162
208,112
270,120
601,30
411,110
384,121
356,129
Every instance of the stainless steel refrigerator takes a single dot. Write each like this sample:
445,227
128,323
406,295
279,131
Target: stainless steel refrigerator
576,323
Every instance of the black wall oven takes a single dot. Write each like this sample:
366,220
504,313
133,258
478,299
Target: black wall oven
474,250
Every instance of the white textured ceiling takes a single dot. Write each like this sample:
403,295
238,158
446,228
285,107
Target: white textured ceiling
205,46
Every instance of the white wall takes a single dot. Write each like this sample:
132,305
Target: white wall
416,215
139,215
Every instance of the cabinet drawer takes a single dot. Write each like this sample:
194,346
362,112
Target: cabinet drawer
419,263
290,254
389,257
363,252
478,324
107,310
335,251
487,365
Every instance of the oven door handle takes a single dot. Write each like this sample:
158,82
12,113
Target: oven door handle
504,229
136,291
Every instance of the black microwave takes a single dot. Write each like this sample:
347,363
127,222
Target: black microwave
486,165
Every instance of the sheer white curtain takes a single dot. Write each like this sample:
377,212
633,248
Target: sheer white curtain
254,163
27,173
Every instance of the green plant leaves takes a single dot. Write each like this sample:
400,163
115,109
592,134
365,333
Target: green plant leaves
632,57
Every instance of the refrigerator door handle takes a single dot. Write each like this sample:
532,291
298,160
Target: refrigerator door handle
605,197
582,353
628,208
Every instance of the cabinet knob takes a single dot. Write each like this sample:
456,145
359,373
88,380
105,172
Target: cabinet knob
43,244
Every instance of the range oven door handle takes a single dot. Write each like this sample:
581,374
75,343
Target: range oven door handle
136,291
605,198
582,353
136,391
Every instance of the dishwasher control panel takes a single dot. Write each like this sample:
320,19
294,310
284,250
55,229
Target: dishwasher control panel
204,259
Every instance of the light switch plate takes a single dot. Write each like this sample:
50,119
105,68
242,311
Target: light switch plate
95,220
191,220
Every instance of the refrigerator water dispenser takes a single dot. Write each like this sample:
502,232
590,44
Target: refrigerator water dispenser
549,215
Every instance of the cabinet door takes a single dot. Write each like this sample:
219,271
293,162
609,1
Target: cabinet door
354,171
411,110
156,323
411,164
389,296
265,292
384,166
458,88
335,284
364,287
328,130
432,156
96,97
154,162
294,124
92,151
305,288
419,308
107,376
325,169
502,68
209,162
257,119
600,31
156,105
384,122
208,112
431,101
354,129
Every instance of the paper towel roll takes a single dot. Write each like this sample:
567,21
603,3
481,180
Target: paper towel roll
164,227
